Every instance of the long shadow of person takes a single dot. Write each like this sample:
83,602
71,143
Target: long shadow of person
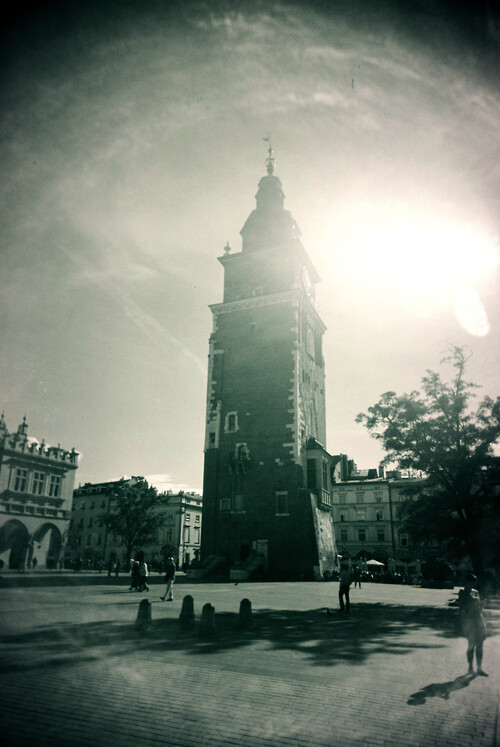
440,690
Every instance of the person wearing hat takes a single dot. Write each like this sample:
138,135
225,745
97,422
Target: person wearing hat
472,622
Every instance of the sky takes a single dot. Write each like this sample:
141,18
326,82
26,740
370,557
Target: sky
132,144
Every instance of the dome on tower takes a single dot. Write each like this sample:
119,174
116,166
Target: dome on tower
269,225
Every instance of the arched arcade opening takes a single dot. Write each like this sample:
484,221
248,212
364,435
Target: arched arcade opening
47,543
14,544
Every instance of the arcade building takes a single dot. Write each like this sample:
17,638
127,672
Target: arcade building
267,500
36,489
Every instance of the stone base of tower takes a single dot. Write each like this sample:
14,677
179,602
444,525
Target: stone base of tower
296,546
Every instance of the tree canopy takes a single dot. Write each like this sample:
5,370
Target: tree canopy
444,432
134,515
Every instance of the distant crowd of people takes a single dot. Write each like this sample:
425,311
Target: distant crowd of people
139,575
377,577
114,566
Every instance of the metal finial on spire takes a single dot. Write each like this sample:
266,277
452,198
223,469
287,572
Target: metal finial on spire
270,160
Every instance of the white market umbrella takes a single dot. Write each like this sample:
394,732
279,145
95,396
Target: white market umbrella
373,562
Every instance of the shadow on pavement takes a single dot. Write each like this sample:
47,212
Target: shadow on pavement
440,690
321,639
55,579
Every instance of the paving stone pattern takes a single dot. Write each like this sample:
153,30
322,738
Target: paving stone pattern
75,670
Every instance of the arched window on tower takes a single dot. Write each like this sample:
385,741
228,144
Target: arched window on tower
231,422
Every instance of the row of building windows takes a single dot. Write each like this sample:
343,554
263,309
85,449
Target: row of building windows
358,498
80,523
84,506
362,535
187,520
236,503
187,517
98,540
361,497
20,508
166,537
361,515
36,483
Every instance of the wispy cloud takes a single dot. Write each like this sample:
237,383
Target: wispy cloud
150,326
163,482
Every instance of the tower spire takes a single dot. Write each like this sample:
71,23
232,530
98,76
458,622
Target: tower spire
270,160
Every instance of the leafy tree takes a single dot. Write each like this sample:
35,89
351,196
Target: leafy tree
170,550
135,518
438,431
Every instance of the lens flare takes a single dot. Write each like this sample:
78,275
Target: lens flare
415,257
471,313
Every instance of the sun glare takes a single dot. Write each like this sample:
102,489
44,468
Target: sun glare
421,256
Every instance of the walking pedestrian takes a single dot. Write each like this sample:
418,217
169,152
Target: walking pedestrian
34,562
169,578
472,622
357,576
344,585
134,575
143,572
118,567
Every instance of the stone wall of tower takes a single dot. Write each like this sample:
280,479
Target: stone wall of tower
255,410
311,407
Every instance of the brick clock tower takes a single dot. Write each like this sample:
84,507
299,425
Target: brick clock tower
267,491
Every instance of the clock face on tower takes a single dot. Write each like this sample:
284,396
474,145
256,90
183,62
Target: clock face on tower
306,281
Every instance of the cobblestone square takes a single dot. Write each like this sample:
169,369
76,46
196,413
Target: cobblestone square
77,671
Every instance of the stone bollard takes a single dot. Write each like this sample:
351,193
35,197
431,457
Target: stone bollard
186,617
207,625
143,614
245,615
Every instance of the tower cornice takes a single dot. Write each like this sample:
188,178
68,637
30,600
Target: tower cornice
248,258
295,295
